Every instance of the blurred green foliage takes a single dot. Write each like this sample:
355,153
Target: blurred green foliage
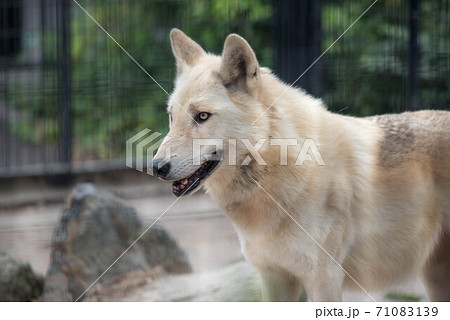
402,296
365,72
112,97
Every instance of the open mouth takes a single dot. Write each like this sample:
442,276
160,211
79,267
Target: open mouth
189,184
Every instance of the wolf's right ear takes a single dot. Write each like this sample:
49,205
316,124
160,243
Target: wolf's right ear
186,51
240,69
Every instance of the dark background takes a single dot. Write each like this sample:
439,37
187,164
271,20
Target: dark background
70,97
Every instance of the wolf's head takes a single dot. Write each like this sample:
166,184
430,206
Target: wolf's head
213,106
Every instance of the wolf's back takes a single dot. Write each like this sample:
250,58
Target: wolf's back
415,136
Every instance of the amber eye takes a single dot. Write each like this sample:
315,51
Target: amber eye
203,116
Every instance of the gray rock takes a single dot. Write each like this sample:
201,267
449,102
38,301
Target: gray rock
95,229
18,282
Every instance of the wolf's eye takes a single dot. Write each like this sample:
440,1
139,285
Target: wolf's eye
203,116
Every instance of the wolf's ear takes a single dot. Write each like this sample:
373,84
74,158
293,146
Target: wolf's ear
240,69
186,51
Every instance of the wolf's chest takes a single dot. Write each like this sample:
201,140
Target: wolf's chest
288,249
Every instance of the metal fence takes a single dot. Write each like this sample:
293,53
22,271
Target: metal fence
70,97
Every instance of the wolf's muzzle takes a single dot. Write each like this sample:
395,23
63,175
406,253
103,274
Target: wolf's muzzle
160,168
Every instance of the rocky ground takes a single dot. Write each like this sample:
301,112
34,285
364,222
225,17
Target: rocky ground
199,227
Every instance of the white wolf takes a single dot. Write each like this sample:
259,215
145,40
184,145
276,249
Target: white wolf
378,210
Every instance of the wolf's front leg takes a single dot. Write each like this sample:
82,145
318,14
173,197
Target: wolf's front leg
325,284
278,285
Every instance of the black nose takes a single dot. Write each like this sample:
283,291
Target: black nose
161,169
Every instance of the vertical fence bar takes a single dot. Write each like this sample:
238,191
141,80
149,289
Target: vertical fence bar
297,42
64,85
315,43
413,56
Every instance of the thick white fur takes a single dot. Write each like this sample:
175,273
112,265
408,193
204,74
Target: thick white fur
378,207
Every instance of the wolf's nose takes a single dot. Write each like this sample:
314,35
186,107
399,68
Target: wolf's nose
161,169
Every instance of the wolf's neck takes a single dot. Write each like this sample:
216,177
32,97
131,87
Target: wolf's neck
288,109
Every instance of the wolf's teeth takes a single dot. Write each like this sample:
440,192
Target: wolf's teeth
184,181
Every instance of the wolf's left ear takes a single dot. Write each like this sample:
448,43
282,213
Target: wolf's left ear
186,51
240,69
